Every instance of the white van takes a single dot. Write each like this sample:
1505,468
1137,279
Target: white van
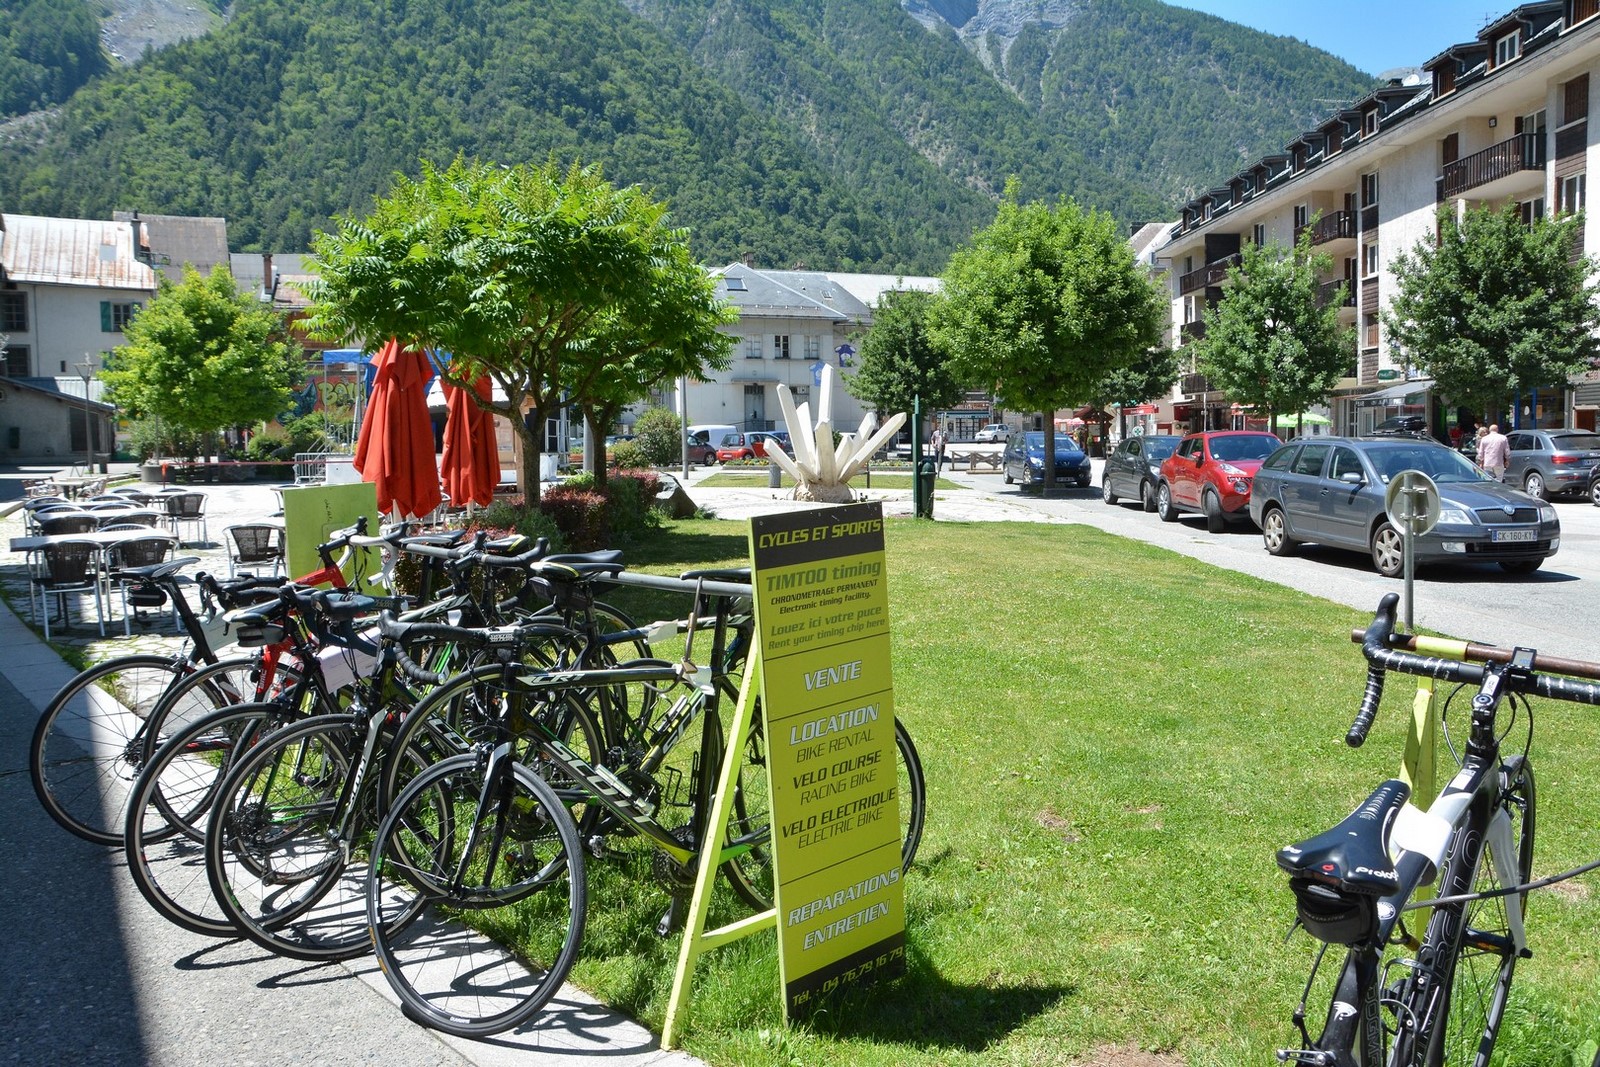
711,433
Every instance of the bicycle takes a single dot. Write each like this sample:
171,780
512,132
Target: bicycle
659,790
1401,1001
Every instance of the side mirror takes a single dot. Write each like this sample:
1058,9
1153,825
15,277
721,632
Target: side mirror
1199,460
1352,478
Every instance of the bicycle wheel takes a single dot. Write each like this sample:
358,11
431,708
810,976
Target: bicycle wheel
750,873
498,869
287,840
169,867
89,743
1457,994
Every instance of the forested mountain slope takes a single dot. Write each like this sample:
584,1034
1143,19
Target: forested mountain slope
851,134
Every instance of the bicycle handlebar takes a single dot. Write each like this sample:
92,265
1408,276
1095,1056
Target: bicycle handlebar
1387,651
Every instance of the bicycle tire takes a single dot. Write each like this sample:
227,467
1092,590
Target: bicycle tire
750,873
88,745
168,867
1457,993
273,858
455,977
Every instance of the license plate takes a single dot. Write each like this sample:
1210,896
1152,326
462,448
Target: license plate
1503,536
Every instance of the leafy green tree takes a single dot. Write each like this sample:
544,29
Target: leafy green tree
899,361
659,434
553,282
1044,303
1497,306
1270,342
1152,374
203,357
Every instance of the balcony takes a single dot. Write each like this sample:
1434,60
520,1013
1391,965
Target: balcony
1194,384
1334,227
1328,292
1213,273
1191,331
1494,164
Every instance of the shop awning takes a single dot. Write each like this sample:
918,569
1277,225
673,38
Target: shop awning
1403,394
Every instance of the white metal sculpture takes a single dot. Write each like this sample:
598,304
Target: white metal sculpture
821,471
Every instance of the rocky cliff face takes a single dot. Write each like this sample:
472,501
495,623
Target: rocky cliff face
987,27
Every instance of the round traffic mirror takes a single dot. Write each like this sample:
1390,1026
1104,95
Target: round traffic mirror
1412,502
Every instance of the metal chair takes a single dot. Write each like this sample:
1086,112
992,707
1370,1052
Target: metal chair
188,508
72,522
138,552
120,516
250,543
68,567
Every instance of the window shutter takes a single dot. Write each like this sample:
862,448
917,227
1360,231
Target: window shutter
105,317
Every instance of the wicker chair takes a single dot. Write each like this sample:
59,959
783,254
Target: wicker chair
252,543
73,522
187,508
68,567
138,552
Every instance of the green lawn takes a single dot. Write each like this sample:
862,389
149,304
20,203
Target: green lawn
1116,739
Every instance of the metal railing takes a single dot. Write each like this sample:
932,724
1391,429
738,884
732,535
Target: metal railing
1525,151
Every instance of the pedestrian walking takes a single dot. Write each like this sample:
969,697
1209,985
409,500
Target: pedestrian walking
938,442
1494,452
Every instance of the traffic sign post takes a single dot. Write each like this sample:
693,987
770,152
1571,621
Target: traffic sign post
1413,506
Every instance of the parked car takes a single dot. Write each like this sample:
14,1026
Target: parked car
1594,484
699,450
1023,460
1402,426
736,446
1133,469
995,431
1547,463
1210,472
1331,490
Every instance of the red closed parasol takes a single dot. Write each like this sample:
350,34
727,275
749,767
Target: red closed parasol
395,450
471,463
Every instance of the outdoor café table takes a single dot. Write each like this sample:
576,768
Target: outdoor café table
104,538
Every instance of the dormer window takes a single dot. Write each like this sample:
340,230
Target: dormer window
1444,80
1507,48
1369,123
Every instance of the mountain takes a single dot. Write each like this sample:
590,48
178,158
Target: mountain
851,134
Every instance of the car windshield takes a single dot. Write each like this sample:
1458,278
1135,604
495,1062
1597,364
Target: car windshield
1159,448
1245,446
1576,442
1064,443
1443,465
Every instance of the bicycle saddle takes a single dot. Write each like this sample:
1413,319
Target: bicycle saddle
587,564
155,571
1354,855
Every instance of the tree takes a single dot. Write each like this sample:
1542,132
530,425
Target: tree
202,357
899,361
1271,342
1497,306
659,434
556,284
1044,303
1151,375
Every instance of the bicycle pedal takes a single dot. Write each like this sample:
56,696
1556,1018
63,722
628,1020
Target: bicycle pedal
597,847
1304,1055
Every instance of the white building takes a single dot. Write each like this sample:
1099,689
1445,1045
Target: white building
1501,118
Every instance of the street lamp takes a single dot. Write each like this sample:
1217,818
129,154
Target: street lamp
86,372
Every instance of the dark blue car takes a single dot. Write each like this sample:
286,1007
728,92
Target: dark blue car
1024,460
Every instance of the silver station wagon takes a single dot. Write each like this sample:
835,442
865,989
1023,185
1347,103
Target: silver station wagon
1330,490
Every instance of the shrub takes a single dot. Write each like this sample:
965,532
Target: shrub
658,433
579,513
627,454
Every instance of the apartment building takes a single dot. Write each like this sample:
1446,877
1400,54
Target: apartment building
1499,119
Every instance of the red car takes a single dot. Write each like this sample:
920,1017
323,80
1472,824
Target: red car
1211,473
736,446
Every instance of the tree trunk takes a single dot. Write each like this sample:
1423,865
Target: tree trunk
1048,471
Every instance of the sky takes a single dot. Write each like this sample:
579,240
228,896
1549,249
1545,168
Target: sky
1372,35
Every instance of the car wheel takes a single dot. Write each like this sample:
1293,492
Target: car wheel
1007,472
1533,485
1388,551
1147,496
1106,492
1275,533
1594,492
1164,507
1216,522
1521,566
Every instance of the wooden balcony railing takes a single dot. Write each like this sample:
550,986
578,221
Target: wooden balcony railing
1525,151
1329,228
1213,273
1194,383
1327,292
1191,331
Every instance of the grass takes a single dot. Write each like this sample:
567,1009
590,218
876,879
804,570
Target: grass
1116,740
753,480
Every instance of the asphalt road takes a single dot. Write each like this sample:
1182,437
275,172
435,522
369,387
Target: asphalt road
1555,610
